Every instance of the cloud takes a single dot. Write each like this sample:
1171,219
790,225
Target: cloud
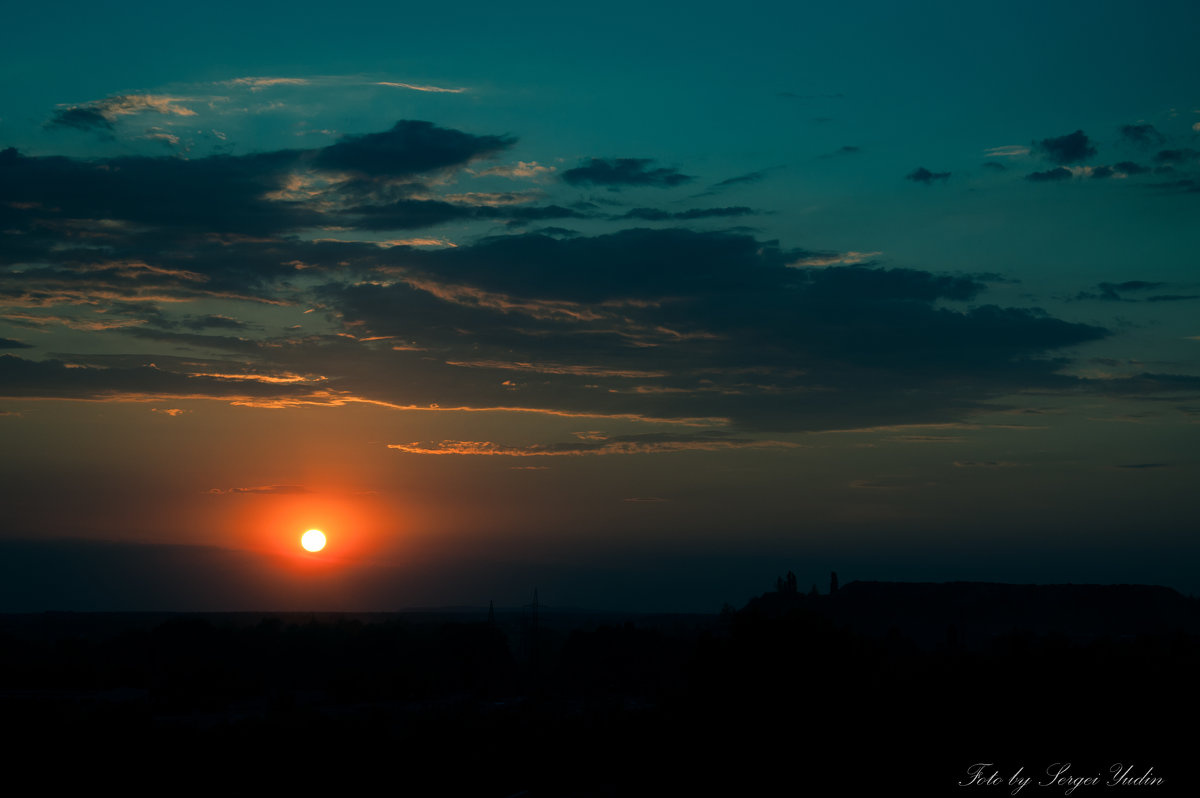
1071,148
1129,168
523,169
658,215
12,343
57,378
820,259
1007,151
100,114
649,443
1050,176
1114,292
256,84
923,175
81,118
1176,156
617,172
276,490
716,327
722,323
212,321
415,87
749,177
409,148
1141,134
848,149
995,166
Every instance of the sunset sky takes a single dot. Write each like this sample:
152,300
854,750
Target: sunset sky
641,305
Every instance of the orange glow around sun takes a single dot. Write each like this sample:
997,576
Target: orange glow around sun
356,527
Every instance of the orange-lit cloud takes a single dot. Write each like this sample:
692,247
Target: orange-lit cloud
262,489
256,84
629,444
415,87
557,368
523,169
834,259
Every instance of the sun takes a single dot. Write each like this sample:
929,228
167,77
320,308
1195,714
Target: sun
313,540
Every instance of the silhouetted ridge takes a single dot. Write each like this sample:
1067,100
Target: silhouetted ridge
975,613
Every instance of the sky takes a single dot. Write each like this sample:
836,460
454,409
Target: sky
640,305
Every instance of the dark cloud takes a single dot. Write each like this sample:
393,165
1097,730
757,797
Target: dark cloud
1175,156
81,118
219,193
410,214
750,177
12,343
617,172
658,215
1171,297
848,149
1071,148
1050,175
1130,168
995,166
1123,168
1114,292
1142,134
923,175
213,322
679,324
694,327
409,148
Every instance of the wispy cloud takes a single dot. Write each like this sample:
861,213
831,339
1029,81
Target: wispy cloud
522,169
100,114
279,490
817,260
653,443
1006,151
255,84
416,87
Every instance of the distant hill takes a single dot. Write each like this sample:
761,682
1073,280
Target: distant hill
972,614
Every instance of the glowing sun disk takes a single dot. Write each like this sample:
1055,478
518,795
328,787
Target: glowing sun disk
313,540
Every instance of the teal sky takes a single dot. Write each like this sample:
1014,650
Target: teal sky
644,303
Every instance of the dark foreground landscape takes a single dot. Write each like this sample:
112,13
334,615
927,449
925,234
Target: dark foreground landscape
876,688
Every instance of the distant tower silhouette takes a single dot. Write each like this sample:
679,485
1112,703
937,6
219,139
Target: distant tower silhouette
790,585
832,582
